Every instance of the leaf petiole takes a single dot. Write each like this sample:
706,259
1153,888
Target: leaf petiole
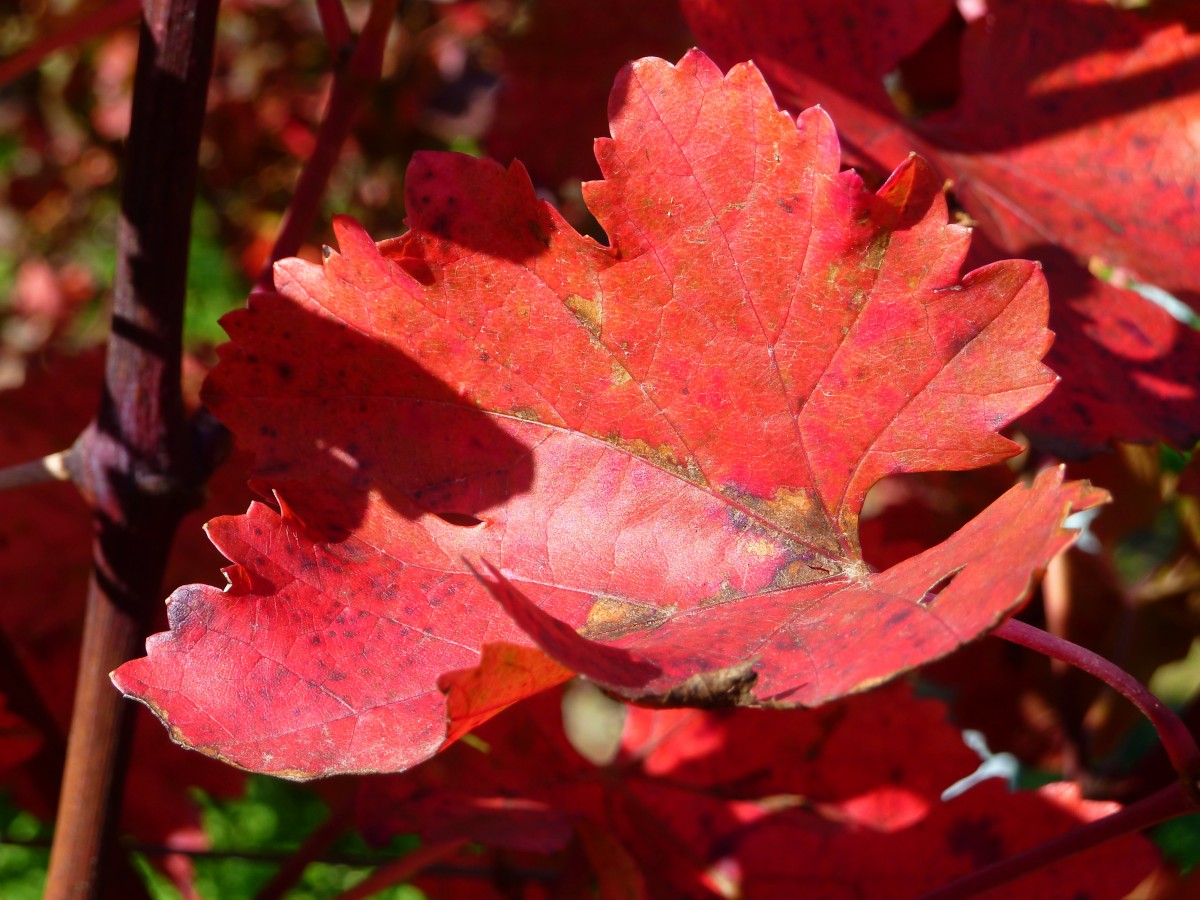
1168,803
54,467
1176,738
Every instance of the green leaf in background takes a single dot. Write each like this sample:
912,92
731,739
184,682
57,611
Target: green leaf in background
22,868
214,285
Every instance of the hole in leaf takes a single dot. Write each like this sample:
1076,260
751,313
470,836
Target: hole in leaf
462,520
938,586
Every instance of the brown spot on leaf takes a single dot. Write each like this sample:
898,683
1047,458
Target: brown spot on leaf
726,593
589,313
799,515
877,250
717,689
662,456
611,618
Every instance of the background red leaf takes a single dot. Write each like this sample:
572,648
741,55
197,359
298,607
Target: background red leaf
698,803
1073,128
557,59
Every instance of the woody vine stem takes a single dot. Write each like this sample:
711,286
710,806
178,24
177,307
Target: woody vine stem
138,464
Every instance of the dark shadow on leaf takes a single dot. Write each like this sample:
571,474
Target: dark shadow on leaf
335,416
456,202
1026,48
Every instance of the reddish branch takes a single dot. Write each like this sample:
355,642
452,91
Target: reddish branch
1166,804
336,27
403,869
135,463
350,84
1177,740
72,30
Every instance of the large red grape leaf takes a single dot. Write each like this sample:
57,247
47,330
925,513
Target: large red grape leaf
844,801
665,443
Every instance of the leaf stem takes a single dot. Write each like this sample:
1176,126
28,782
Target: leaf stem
1166,804
402,870
1176,739
135,464
53,467
336,27
350,85
319,841
71,30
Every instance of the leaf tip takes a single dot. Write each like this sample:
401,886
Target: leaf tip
350,236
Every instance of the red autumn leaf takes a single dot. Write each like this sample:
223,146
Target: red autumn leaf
1075,126
1130,370
753,802
556,65
664,445
18,739
1072,126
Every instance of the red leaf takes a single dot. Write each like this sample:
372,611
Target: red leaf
557,62
844,800
1071,126
1130,371
1074,127
665,444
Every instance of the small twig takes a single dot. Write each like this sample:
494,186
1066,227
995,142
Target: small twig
1166,804
321,839
402,869
38,471
1177,740
72,30
350,85
336,27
